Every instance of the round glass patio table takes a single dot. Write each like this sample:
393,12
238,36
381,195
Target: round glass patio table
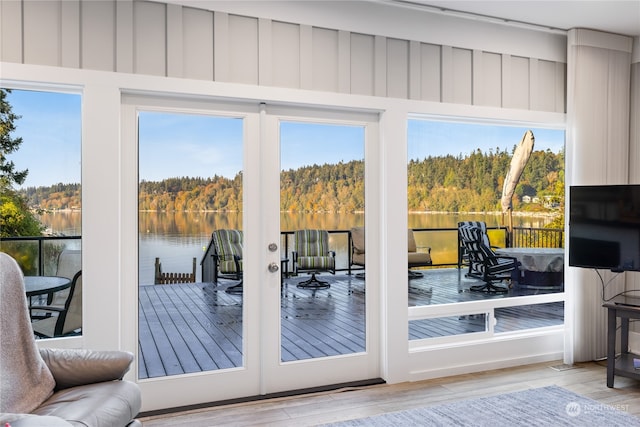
40,285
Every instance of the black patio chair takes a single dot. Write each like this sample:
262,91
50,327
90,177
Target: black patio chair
488,266
463,256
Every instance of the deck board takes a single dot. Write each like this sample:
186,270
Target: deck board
185,328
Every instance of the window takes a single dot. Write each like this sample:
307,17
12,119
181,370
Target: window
46,145
456,172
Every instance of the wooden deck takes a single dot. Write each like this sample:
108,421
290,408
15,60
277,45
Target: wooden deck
195,327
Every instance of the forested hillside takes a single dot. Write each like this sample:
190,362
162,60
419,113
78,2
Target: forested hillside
58,196
474,183
471,183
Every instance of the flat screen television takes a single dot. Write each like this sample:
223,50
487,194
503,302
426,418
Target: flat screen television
604,227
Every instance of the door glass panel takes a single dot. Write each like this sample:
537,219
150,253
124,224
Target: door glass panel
322,201
40,202
190,188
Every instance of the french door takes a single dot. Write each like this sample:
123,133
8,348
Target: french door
204,341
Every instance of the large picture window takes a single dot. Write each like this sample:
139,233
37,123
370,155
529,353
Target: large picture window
486,202
40,188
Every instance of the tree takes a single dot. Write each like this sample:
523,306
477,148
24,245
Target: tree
15,217
8,173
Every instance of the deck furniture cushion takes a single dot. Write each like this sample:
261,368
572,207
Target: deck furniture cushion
228,245
311,254
414,258
357,249
227,256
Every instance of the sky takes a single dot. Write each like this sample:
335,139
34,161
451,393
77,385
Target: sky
181,145
50,127
444,138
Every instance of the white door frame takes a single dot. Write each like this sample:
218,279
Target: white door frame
261,300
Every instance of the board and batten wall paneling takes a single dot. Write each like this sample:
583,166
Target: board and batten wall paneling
176,40
546,78
362,64
285,54
124,37
325,59
265,58
380,66
306,62
533,82
221,50
397,68
415,63
98,35
70,34
490,90
461,75
198,47
430,72
150,36
519,88
41,33
243,50
11,41
186,42
344,62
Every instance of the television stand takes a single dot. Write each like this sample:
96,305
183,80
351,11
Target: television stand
624,308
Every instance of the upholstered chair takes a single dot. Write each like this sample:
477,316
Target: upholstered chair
311,254
227,257
56,387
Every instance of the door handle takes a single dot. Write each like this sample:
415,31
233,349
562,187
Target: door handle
273,267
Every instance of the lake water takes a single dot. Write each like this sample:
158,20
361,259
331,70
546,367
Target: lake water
176,238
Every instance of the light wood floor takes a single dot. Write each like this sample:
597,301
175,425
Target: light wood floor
586,379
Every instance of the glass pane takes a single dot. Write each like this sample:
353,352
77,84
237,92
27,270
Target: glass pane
457,173
509,319
190,189
322,202
40,220
448,326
